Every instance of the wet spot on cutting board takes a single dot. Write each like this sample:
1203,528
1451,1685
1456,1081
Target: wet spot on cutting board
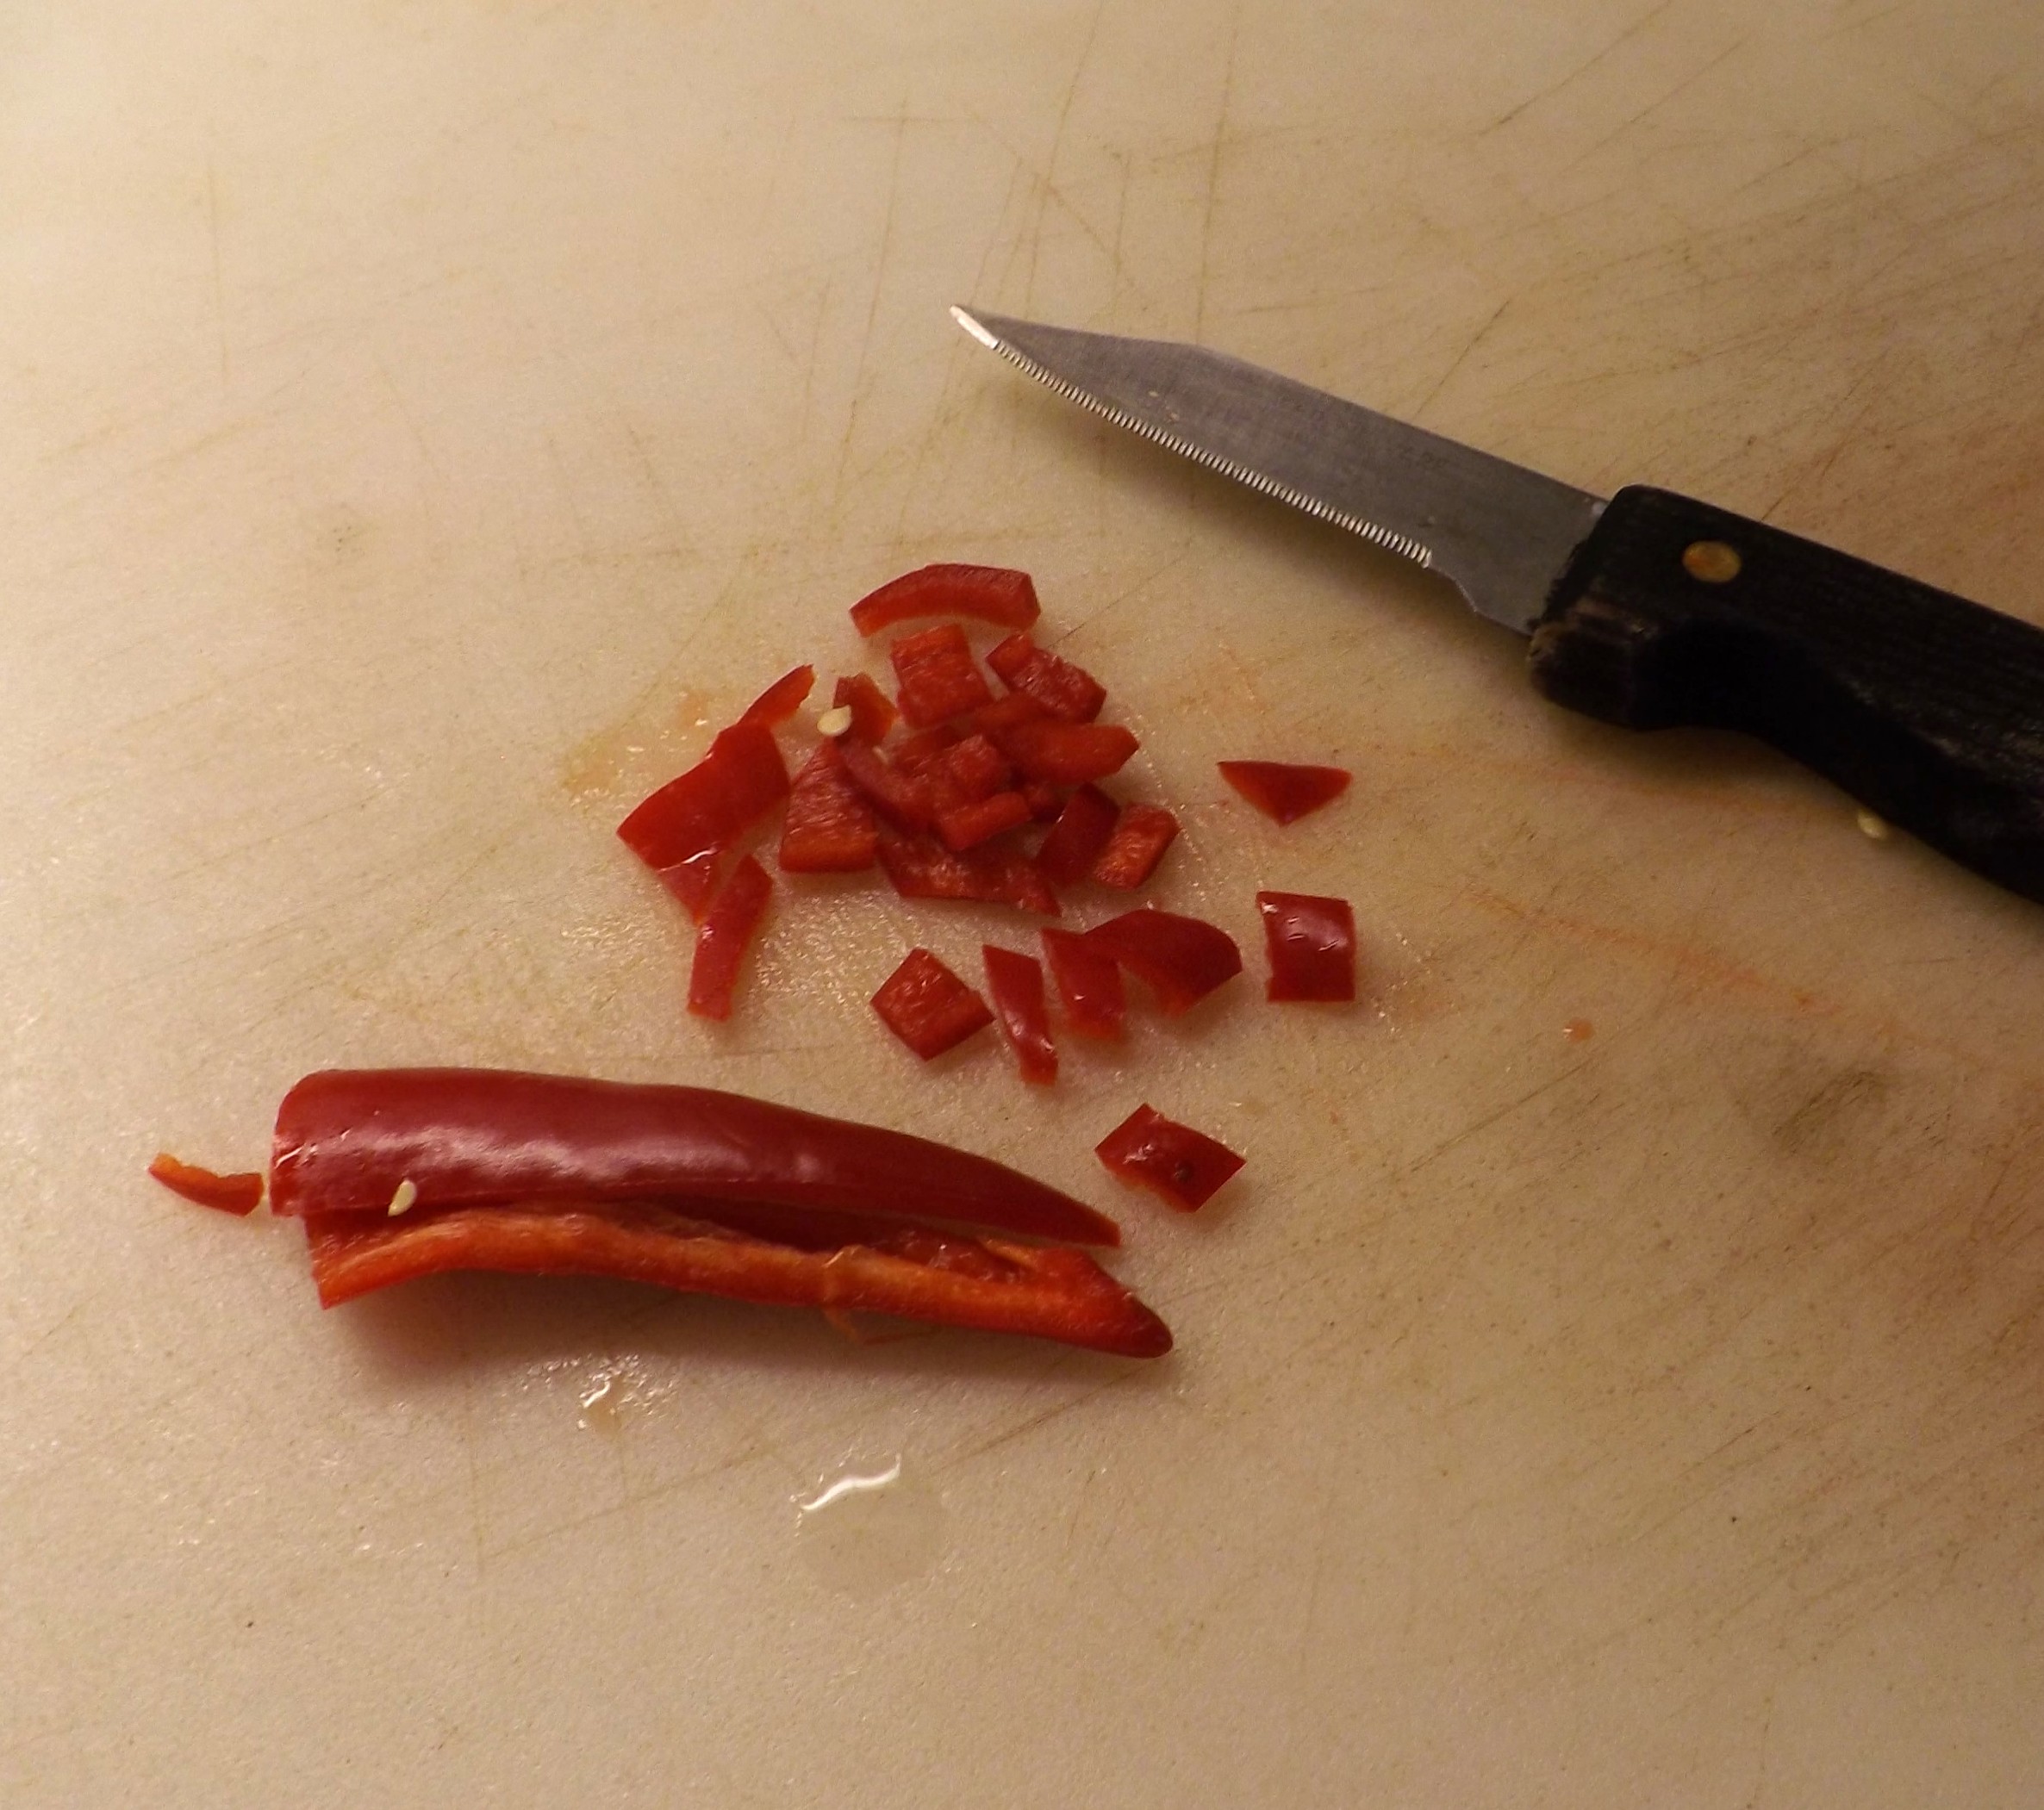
870,1529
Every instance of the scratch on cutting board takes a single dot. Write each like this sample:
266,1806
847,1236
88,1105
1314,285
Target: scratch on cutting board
964,1454
880,271
1654,107
1050,178
1625,37
1213,169
219,311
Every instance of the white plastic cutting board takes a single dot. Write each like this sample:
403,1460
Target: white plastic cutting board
420,423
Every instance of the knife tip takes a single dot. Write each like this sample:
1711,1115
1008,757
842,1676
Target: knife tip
972,327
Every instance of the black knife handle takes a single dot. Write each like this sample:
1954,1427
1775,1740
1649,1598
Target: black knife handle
1925,707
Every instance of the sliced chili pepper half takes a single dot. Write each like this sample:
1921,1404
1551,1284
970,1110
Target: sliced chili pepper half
985,594
1184,1167
938,676
782,698
348,1139
829,828
1088,984
724,936
1016,981
873,711
929,1007
1282,790
237,1194
1181,958
800,1258
1064,690
1312,942
1135,847
1078,836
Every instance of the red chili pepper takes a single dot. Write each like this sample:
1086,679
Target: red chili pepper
986,594
1136,845
918,868
1088,984
724,936
978,767
829,828
1016,982
1183,1166
903,798
237,1194
346,1139
966,826
873,711
929,1007
1312,946
1046,801
994,720
782,698
1066,754
939,678
1181,959
1062,688
1284,790
795,1259
683,831
1078,836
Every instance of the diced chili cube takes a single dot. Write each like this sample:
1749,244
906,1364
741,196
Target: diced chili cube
986,594
939,677
873,711
724,936
1186,1168
782,698
1016,982
1136,845
829,828
978,766
1066,754
993,719
1062,688
1046,801
1181,960
1312,944
903,798
929,1007
683,831
918,867
966,825
1282,790
1078,836
1088,984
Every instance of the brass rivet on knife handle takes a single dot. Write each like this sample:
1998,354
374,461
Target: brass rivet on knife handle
1928,709
1711,560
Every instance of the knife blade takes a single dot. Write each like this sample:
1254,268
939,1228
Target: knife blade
1649,609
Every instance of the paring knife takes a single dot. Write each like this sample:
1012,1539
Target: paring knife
1649,610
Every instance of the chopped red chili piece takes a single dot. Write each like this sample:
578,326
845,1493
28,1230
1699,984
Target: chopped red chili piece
1066,754
937,676
919,752
683,831
723,937
986,594
1046,801
785,1258
920,868
346,1139
929,1007
873,711
829,828
1078,836
1284,790
1016,982
979,769
1312,946
1088,984
1181,959
903,798
237,1194
1184,1167
1138,844
1062,688
966,825
782,698
994,720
